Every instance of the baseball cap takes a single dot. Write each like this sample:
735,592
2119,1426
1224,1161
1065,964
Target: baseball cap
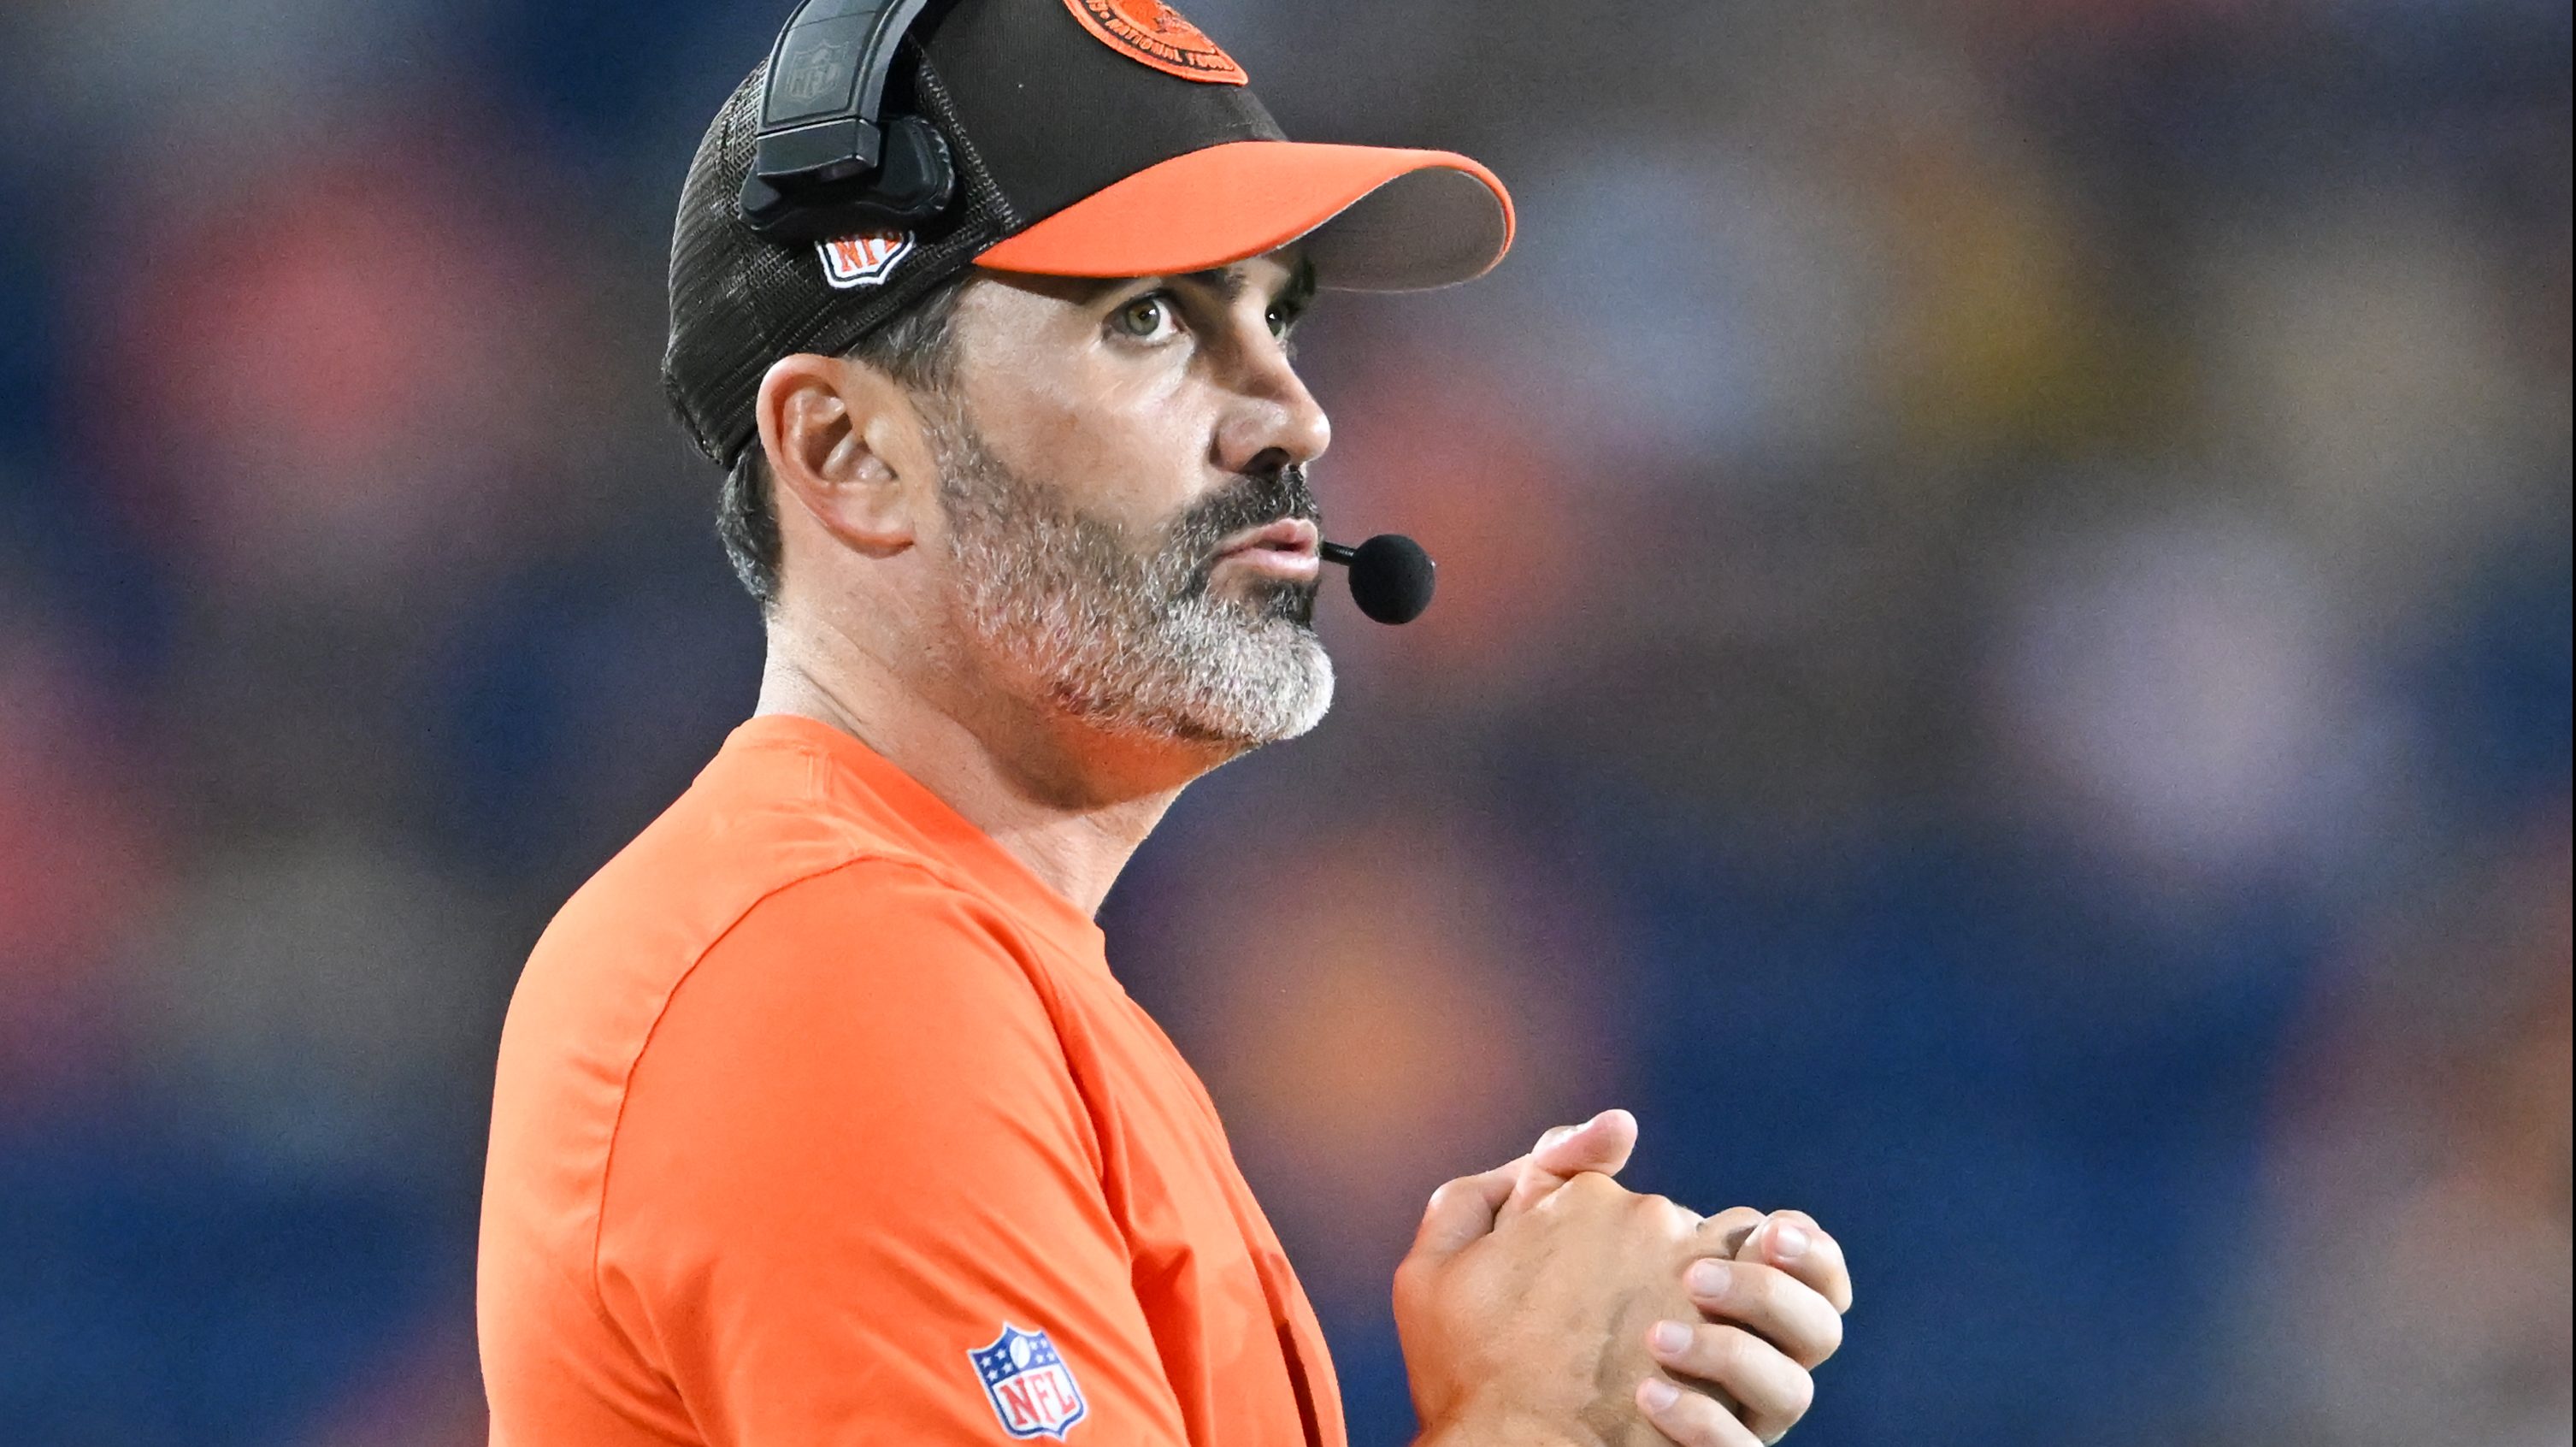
1099,138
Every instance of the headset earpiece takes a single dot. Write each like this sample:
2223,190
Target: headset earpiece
825,165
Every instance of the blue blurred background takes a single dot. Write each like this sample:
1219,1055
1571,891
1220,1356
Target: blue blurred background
2002,677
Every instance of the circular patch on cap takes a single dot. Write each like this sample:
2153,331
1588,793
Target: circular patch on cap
1153,32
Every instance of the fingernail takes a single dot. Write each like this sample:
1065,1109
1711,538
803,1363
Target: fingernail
1669,1336
1788,1241
1660,1395
1710,1278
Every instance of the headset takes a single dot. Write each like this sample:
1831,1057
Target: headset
826,164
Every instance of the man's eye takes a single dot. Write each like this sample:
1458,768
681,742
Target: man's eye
1147,317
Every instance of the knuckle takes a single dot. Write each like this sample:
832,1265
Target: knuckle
1724,1350
1412,1278
1591,1186
1832,1342
1810,1350
1774,1422
1695,1421
1731,1226
1756,1288
1806,1326
1697,1430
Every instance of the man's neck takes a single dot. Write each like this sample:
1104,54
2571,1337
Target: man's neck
1072,807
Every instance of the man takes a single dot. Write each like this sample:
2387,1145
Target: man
820,1117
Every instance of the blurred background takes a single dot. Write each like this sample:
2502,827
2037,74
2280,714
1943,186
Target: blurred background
2002,676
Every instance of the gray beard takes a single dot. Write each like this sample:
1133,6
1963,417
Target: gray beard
1122,634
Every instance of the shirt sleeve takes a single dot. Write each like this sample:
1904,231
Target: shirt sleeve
854,1195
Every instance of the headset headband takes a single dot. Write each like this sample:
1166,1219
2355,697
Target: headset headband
826,164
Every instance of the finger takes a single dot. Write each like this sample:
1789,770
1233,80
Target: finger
1792,1241
1729,1229
1601,1144
1462,1211
1771,1392
1689,1418
1771,1304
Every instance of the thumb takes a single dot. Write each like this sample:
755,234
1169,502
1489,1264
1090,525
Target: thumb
1602,1144
1461,1212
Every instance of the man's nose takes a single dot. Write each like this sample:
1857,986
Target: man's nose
1276,422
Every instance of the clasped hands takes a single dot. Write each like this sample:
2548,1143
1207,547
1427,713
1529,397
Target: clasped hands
1542,1303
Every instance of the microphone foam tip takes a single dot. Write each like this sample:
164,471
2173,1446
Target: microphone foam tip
1392,578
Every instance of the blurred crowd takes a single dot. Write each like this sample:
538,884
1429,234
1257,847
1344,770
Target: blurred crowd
2002,676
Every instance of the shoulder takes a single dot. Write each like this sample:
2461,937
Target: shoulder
868,1021
757,820
761,836
873,986
870,943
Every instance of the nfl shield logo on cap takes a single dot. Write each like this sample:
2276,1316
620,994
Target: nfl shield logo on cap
862,260
1031,1388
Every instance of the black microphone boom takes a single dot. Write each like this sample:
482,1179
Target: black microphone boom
1391,577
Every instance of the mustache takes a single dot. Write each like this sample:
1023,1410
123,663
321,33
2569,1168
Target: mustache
1252,500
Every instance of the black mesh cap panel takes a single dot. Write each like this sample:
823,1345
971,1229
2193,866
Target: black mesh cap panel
739,303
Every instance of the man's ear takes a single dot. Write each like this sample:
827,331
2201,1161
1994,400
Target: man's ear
844,443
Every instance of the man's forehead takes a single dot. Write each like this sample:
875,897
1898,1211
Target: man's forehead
1288,263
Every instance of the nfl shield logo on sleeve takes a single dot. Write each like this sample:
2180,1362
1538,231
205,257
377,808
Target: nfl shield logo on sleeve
1033,1391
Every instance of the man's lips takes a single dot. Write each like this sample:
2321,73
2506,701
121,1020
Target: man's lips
1289,548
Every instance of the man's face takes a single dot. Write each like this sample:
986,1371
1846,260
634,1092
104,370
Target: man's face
1123,487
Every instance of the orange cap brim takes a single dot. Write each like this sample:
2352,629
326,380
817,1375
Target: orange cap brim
1372,218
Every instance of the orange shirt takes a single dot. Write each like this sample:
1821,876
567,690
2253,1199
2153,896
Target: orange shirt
820,1120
